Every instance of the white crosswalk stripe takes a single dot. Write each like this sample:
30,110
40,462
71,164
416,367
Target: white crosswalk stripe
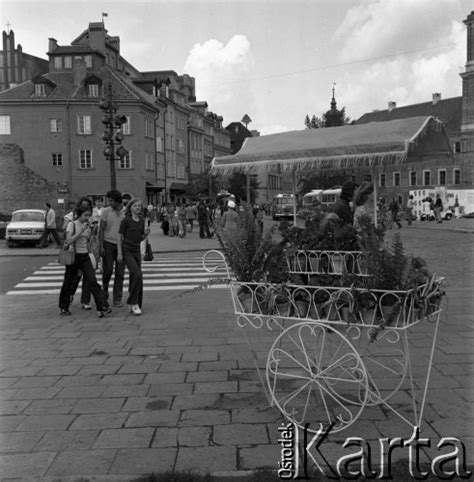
167,272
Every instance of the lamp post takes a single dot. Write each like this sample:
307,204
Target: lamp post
113,135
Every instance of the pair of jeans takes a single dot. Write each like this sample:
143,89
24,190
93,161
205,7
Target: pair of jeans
82,262
109,260
204,230
133,261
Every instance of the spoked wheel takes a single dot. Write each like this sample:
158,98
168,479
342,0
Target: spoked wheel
385,360
313,372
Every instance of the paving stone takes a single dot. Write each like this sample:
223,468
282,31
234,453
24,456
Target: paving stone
35,382
210,376
217,365
256,415
170,389
139,368
215,387
56,441
50,406
81,392
200,356
99,421
131,379
19,441
240,434
170,377
8,423
13,407
124,437
79,381
147,350
98,405
27,371
99,370
25,465
194,436
126,391
259,457
204,417
60,370
36,423
141,404
202,400
7,394
82,462
155,418
165,437
143,461
206,459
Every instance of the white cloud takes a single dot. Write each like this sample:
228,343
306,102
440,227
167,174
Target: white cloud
221,72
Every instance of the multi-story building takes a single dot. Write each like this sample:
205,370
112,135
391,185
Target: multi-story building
56,120
17,66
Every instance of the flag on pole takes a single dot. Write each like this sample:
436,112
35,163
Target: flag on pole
104,14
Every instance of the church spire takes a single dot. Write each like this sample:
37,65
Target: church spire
333,101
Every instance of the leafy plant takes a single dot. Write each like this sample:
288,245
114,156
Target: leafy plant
251,255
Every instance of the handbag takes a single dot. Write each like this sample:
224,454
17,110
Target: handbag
67,254
148,252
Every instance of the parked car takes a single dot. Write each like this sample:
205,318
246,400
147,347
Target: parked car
446,214
26,225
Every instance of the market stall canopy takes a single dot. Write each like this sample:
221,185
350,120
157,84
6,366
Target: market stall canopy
365,145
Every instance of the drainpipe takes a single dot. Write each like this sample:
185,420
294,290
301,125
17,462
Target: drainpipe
69,148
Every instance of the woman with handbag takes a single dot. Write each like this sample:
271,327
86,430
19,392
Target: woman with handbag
132,232
78,234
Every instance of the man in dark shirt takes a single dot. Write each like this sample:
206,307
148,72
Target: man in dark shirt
342,207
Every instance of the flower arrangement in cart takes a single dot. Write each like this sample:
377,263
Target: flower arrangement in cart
293,273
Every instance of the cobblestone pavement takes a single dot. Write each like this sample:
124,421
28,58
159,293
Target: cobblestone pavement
177,387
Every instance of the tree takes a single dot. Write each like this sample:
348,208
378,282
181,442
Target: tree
237,185
198,185
313,123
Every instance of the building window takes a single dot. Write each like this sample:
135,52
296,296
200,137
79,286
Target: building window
40,90
412,178
442,177
88,61
126,161
180,171
456,176
396,179
159,144
68,62
55,125
85,159
180,146
58,63
382,180
126,130
57,159
426,178
5,125
93,90
456,146
83,124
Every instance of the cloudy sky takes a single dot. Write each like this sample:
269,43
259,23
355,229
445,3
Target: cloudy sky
275,60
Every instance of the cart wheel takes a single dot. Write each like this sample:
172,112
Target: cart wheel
312,372
385,361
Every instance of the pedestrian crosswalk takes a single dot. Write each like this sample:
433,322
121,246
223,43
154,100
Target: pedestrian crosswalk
174,271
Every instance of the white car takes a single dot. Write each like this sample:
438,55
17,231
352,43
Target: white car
26,225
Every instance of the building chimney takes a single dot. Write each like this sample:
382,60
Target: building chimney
392,105
52,44
436,97
79,72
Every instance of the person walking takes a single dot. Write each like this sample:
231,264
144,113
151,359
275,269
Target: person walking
77,235
230,218
181,215
342,206
203,219
108,239
191,214
438,208
49,228
409,209
132,232
394,209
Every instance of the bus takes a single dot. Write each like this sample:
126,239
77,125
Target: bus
329,197
283,206
312,199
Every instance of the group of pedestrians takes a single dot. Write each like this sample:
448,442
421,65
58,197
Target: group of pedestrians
111,236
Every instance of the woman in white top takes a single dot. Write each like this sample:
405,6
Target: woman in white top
77,235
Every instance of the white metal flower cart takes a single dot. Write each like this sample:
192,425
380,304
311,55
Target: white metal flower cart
333,351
